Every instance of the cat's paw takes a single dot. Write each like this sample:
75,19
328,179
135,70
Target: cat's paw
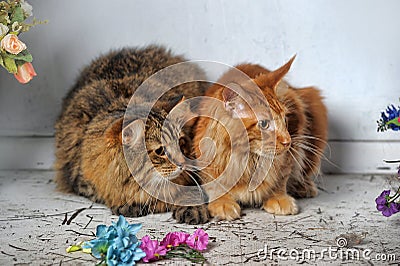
281,205
130,210
222,209
191,214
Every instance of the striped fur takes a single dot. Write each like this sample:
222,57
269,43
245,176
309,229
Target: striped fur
89,147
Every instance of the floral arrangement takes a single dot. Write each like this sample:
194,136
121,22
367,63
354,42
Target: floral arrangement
385,203
14,55
390,120
117,244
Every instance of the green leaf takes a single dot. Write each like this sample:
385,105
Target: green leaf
17,15
1,61
10,65
394,121
73,248
22,56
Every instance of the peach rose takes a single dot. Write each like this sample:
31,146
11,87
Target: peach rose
25,73
12,44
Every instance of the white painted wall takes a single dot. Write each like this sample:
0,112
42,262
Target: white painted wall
349,49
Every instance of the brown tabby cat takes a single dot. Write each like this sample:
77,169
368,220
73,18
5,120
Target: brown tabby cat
91,134
294,132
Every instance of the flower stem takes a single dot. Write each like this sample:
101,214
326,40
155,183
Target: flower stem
395,196
192,255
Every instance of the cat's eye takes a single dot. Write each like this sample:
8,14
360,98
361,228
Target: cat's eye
264,124
160,151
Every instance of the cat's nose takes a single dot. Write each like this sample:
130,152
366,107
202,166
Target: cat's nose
286,142
180,163
180,166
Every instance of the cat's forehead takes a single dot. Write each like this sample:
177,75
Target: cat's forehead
265,105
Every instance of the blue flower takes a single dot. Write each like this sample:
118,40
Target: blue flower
102,231
117,244
124,228
99,247
124,256
390,119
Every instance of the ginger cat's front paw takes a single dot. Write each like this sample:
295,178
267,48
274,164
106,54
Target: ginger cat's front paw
224,209
281,205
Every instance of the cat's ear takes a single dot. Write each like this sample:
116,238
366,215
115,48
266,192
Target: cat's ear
133,132
234,104
184,106
182,109
272,79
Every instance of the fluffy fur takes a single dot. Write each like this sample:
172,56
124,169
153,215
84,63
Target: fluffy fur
91,134
295,134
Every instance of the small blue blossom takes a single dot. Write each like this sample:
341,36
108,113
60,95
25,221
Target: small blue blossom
117,244
124,256
100,248
390,119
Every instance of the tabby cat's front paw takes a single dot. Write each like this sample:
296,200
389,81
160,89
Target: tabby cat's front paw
130,210
222,209
281,205
191,214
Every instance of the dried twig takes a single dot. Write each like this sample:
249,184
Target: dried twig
66,256
23,249
75,214
65,219
91,218
79,233
11,255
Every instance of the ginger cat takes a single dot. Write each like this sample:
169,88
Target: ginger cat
293,133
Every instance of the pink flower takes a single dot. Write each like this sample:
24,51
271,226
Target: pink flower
174,239
25,73
152,249
198,240
12,44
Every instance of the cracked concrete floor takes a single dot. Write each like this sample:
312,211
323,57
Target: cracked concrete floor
32,229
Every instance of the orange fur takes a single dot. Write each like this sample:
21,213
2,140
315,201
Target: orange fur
293,165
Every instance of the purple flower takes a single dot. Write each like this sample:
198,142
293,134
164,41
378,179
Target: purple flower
387,208
152,249
174,239
383,198
198,240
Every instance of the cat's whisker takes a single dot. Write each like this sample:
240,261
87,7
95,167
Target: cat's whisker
327,145
197,184
147,204
315,151
294,158
169,191
310,163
